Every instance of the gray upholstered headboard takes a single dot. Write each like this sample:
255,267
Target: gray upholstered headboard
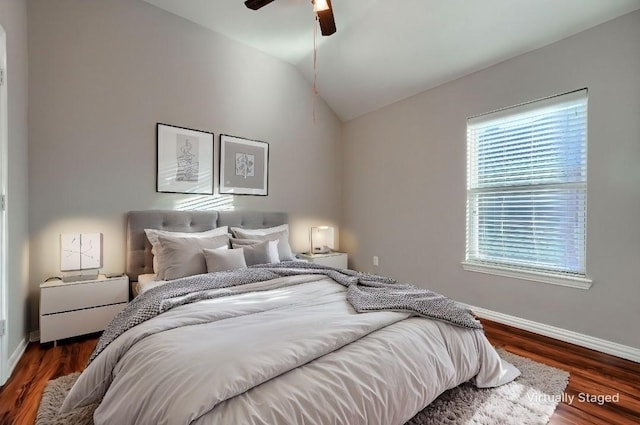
138,257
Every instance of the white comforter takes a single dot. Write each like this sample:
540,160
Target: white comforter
214,362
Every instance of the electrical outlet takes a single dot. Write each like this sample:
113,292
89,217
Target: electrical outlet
375,260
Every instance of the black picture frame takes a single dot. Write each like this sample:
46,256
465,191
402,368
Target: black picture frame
184,160
244,166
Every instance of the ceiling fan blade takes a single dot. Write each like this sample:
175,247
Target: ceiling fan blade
327,23
256,4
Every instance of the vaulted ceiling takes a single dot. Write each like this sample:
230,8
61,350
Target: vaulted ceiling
385,51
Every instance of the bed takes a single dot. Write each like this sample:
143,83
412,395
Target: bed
281,343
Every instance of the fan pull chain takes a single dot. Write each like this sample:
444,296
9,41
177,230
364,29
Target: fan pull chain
315,74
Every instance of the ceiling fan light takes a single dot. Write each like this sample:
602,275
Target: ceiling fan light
320,5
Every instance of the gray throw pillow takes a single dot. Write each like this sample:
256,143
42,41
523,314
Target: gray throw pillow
219,260
284,249
243,242
152,236
182,256
260,253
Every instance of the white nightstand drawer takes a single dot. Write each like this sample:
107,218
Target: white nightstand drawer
57,298
78,322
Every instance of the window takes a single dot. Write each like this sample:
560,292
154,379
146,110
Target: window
527,190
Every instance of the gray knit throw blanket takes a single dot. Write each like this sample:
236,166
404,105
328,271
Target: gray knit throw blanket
365,292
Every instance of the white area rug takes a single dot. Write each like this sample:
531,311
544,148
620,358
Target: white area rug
529,400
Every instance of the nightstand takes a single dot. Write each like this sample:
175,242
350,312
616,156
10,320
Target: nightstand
332,259
78,308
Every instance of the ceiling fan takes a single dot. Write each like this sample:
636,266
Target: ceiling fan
321,7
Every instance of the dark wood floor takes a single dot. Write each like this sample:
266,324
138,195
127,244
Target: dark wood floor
591,373
20,396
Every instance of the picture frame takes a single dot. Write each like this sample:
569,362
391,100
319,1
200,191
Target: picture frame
184,160
244,166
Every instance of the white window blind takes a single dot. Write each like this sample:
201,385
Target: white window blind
527,186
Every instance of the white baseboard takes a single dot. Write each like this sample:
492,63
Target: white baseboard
593,343
16,356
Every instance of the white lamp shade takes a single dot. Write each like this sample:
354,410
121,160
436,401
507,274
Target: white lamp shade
322,239
320,5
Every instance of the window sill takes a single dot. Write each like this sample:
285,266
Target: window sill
553,279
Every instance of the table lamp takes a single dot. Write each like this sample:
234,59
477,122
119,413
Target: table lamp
321,239
80,254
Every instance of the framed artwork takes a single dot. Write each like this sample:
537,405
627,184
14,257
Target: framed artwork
185,160
244,166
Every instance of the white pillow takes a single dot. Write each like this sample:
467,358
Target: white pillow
263,231
152,236
220,260
182,256
279,233
260,253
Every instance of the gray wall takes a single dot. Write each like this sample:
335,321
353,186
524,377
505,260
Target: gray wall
103,73
13,18
405,171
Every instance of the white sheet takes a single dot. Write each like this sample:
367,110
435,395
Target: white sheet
146,282
220,367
